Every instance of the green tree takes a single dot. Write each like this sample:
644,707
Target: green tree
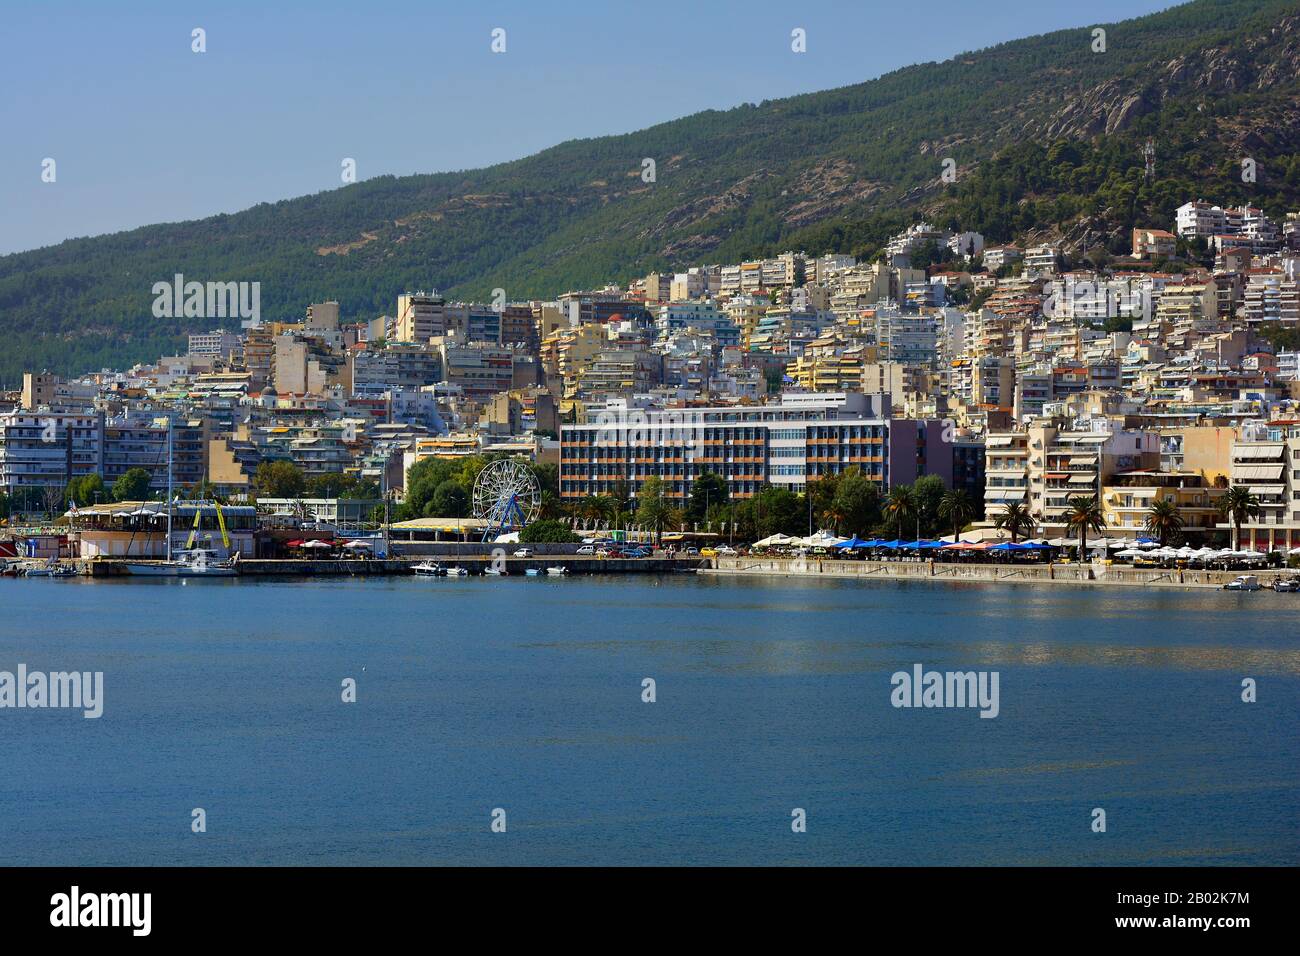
547,532
1163,519
450,500
133,485
422,480
707,491
1239,505
900,508
278,479
85,489
1083,514
927,491
1015,519
653,510
856,506
592,510
550,507
779,511
340,485
957,509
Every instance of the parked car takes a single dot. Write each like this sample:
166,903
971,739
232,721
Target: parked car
691,551
587,549
524,553
636,553
1243,582
727,551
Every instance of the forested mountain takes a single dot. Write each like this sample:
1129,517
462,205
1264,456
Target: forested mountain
1046,134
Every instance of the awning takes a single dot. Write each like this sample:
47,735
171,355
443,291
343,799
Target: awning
1089,460
1004,494
1082,480
1266,489
1257,472
1262,450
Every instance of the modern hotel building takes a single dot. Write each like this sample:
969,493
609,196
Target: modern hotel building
806,436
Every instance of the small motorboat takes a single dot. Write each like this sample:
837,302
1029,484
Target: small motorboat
50,569
1243,582
1286,585
429,569
495,573
557,571
457,572
534,572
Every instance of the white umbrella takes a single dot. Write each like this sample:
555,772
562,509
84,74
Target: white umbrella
1186,552
357,544
1131,553
317,544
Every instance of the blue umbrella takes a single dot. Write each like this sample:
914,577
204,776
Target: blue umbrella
852,543
892,545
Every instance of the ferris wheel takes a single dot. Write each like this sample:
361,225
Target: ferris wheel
507,494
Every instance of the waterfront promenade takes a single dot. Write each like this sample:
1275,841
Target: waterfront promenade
474,563
1020,573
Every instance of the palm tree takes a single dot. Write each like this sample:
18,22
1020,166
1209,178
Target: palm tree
835,515
590,510
653,510
1084,515
957,507
1163,519
1239,505
900,506
1016,520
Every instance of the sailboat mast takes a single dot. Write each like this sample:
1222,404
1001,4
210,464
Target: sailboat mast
169,488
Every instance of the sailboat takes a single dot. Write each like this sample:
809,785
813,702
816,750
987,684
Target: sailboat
192,562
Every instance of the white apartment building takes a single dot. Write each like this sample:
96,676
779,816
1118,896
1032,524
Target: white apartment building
1200,219
1266,459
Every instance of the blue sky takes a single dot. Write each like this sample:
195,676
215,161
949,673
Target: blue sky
144,130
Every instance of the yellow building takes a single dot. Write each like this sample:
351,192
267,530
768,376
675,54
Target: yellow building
1127,500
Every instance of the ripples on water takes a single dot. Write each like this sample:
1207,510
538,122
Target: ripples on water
772,694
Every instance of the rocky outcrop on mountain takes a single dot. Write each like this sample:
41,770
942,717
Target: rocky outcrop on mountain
1266,61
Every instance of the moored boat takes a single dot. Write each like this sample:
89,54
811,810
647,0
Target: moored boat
194,563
